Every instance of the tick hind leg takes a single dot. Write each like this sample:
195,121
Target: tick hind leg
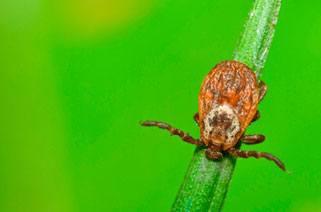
246,154
196,119
252,139
174,131
256,116
263,90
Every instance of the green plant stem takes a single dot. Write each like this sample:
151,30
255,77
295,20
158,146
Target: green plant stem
206,182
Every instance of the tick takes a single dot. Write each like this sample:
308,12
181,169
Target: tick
227,104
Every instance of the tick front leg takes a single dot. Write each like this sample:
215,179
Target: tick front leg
197,118
174,131
252,139
246,154
263,90
256,116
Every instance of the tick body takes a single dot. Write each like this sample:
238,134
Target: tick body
227,102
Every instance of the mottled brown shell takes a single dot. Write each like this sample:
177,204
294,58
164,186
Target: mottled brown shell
227,103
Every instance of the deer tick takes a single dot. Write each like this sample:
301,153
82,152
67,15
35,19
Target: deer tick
227,104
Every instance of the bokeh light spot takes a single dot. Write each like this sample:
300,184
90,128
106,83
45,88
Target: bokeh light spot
88,18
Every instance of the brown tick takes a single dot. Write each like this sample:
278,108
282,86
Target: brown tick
227,104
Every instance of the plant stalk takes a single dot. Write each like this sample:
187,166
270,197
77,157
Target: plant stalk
206,182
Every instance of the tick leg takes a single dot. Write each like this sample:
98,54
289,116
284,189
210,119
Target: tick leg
263,90
256,116
174,131
246,154
252,139
196,118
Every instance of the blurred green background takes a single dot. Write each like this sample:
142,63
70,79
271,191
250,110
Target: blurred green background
76,77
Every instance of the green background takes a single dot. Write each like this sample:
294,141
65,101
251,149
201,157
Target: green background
76,77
